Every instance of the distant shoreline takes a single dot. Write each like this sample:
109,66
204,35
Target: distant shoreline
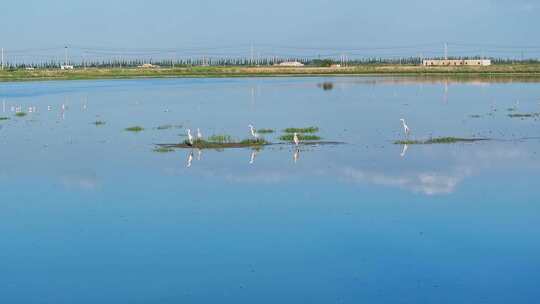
531,71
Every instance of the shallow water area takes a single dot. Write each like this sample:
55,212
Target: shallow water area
91,213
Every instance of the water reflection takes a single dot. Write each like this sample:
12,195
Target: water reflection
199,154
252,157
296,155
404,150
189,159
389,214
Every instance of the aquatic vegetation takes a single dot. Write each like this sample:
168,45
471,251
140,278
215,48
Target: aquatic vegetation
20,114
163,149
523,115
164,127
475,116
4,118
265,131
220,139
168,126
302,130
135,129
289,137
221,142
254,142
438,140
326,85
408,142
99,123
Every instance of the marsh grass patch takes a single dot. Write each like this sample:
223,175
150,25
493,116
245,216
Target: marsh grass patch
135,129
302,130
254,141
164,127
438,140
224,141
220,138
20,114
163,150
523,115
290,137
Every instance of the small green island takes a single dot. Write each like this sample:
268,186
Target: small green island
439,140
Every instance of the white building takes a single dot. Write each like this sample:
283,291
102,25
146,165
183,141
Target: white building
290,64
456,62
148,66
66,67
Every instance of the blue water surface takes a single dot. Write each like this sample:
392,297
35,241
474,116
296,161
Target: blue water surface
91,214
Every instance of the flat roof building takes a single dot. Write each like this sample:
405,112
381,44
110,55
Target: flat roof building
456,62
290,64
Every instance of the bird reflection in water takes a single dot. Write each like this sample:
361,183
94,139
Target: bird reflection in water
404,151
296,155
199,154
252,157
189,159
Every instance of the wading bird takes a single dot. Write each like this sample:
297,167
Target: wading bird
405,128
295,139
199,134
190,137
253,132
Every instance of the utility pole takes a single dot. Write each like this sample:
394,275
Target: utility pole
445,51
65,55
251,60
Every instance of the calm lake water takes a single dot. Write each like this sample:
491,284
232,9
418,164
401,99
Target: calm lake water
91,214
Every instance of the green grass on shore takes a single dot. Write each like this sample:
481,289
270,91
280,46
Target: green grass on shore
527,70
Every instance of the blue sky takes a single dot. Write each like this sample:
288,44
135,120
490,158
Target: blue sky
278,23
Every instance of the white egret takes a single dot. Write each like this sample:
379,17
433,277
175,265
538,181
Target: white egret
253,132
406,128
199,134
190,137
295,139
